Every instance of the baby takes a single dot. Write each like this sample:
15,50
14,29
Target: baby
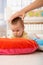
17,27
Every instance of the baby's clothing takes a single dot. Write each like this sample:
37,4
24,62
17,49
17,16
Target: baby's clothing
25,35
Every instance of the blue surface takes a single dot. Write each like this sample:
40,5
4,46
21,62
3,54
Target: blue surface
39,41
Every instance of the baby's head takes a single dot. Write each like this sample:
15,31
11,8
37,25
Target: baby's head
17,27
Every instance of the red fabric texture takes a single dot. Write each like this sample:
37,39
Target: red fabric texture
18,43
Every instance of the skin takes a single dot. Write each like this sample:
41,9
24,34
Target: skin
17,29
32,6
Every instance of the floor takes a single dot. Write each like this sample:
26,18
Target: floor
29,59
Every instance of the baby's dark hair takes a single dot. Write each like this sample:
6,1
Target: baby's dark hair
16,20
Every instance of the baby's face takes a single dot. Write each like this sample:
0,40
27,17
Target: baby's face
17,29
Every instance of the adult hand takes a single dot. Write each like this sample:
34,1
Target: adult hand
17,14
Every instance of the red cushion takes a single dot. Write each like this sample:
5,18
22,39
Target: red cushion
17,46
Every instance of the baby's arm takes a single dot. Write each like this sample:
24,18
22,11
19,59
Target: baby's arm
36,36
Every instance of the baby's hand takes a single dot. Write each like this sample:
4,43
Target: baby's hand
36,36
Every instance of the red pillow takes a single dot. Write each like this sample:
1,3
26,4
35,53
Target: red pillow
17,46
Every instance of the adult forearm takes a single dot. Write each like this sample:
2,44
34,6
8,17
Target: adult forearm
34,5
